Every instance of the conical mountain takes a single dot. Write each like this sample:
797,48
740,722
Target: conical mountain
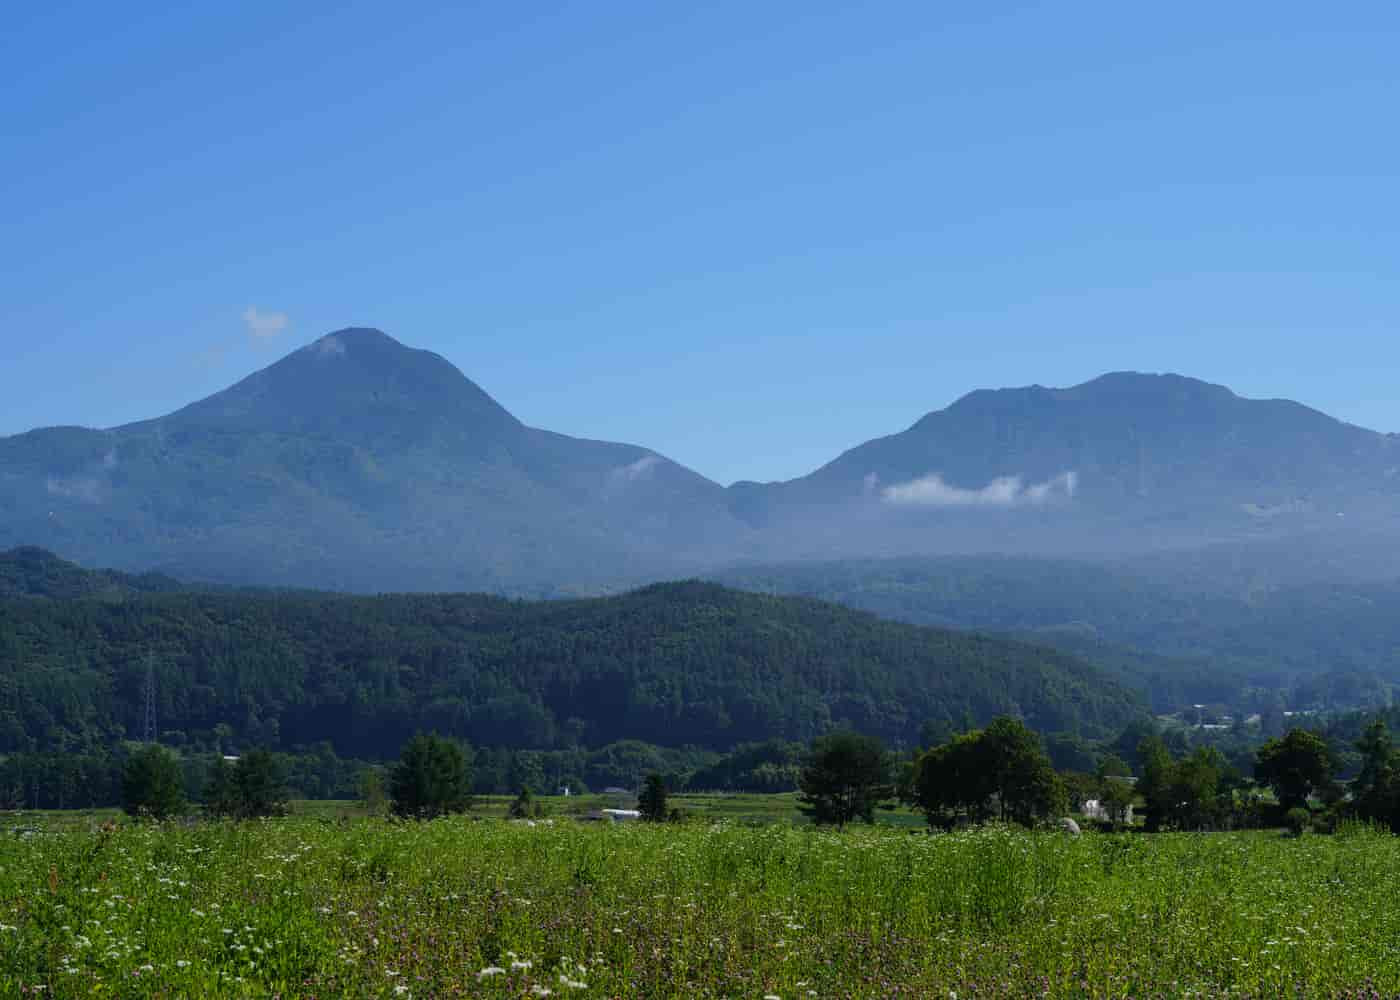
358,463
356,383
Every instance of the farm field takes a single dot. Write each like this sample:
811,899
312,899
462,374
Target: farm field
738,807
309,907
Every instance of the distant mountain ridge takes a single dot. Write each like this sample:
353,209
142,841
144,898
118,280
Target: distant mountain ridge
356,463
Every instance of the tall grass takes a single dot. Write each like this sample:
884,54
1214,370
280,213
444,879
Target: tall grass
461,908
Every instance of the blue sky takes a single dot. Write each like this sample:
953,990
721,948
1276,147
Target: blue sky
746,235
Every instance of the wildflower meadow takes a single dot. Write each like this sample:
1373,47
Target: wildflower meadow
457,907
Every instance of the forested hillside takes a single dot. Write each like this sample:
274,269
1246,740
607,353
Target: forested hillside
672,664
35,572
1337,645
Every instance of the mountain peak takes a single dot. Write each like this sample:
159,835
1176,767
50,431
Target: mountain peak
1147,384
1139,390
356,379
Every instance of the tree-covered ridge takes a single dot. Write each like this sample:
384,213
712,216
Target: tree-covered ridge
1181,639
671,664
28,571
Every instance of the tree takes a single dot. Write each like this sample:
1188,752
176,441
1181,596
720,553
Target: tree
373,795
432,778
652,801
1113,766
1294,766
1193,790
999,771
151,783
1117,798
220,795
259,785
844,777
253,786
1021,775
525,805
954,780
1373,789
1155,782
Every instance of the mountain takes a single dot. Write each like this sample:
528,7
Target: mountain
357,463
672,664
1126,462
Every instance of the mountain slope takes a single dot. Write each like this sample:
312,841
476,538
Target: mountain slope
1126,462
357,463
34,572
1178,642
673,664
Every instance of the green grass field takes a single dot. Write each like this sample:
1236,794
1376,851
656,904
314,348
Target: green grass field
736,807
314,906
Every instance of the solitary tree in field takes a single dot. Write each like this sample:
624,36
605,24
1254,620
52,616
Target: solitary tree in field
220,797
652,802
525,805
253,786
151,784
261,784
1295,765
999,771
844,777
432,778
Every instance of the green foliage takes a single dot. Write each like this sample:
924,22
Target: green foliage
673,664
1299,820
1376,788
253,786
651,803
1294,766
374,796
770,766
525,806
1117,797
151,784
1113,766
33,572
1155,630
432,778
844,777
220,794
1191,793
1000,771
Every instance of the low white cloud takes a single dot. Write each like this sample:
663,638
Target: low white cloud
263,325
640,469
1004,491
